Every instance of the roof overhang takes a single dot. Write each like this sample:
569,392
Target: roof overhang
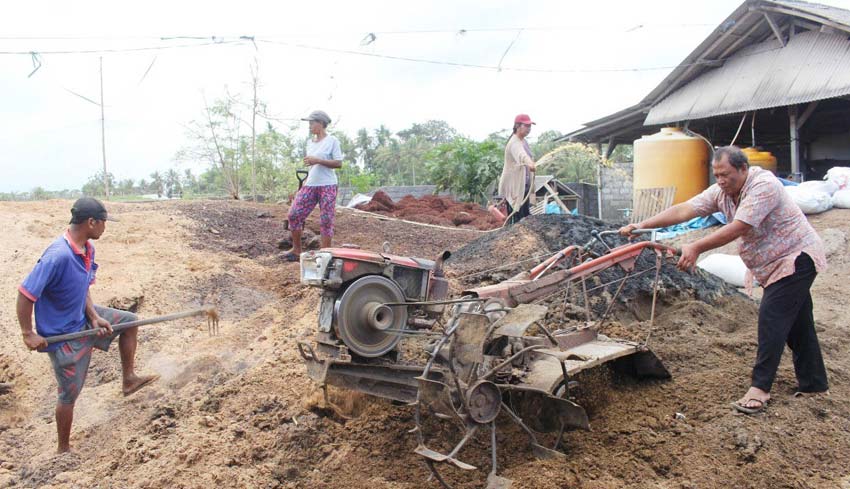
752,48
810,66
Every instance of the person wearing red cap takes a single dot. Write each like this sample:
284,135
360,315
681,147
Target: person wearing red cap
518,172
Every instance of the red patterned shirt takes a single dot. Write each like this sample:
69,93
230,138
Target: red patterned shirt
780,230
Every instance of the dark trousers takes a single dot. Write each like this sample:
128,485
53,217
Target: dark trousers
523,212
785,317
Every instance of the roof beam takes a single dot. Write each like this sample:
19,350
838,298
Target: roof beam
673,84
775,28
610,148
805,24
741,39
807,113
814,18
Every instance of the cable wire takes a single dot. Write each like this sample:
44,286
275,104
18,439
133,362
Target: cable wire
129,50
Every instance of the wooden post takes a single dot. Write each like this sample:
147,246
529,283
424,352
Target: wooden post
255,75
103,134
796,172
610,147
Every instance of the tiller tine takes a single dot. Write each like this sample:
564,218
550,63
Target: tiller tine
570,413
435,395
542,411
435,456
542,452
641,365
468,342
496,482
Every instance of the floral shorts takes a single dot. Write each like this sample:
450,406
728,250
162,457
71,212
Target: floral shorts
71,360
306,200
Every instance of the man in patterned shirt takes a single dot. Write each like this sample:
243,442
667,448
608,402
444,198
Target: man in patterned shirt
781,250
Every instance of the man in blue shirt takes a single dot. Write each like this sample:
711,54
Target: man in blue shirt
57,290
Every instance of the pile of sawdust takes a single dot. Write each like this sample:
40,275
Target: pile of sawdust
432,209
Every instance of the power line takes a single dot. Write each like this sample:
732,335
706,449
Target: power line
459,30
253,39
574,27
486,67
239,41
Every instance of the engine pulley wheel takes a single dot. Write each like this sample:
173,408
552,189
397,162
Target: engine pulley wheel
484,400
362,318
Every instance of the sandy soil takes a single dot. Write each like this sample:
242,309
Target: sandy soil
237,409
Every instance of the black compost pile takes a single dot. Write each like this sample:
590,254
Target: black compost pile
502,254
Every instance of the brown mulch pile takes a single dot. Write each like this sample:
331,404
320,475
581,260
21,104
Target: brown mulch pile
433,209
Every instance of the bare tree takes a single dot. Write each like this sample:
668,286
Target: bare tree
229,163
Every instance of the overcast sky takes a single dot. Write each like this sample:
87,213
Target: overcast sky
560,68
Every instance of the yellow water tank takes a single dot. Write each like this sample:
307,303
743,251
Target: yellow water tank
764,159
671,158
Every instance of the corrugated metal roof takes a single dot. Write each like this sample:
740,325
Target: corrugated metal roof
823,12
734,36
812,66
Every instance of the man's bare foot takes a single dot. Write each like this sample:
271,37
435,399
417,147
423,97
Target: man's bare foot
133,384
63,449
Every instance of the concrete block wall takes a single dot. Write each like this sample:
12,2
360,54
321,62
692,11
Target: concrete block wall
587,203
616,191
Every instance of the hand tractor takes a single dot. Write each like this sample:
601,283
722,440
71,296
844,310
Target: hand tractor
388,328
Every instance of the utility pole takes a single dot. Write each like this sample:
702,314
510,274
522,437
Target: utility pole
255,77
103,134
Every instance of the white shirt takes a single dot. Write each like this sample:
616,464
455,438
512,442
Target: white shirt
326,149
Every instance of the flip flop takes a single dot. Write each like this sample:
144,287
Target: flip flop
145,382
750,410
799,394
290,256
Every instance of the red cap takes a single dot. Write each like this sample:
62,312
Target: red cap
523,119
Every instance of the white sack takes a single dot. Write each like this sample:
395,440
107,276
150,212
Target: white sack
840,175
841,199
820,186
730,268
810,201
359,199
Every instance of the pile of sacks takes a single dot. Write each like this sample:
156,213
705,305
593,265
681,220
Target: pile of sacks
821,195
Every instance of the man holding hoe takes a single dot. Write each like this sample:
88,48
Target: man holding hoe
57,290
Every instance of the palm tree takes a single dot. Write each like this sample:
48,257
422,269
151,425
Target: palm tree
157,184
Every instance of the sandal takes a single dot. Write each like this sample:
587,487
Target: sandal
799,394
290,256
743,408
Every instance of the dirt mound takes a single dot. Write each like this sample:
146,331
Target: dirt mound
238,228
432,209
502,254
238,410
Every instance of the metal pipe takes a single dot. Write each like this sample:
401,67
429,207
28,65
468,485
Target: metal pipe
550,262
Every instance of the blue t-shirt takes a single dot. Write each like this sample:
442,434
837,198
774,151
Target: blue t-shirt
59,285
